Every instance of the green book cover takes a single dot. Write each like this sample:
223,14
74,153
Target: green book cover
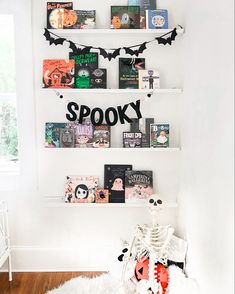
85,64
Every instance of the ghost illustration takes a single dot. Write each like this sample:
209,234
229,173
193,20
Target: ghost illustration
117,185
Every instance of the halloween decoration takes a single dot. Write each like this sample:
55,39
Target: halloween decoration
110,53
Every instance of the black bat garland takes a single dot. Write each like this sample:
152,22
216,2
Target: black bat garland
106,52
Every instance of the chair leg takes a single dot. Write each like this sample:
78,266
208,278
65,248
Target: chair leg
9,268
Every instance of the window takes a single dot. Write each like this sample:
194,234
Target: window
8,117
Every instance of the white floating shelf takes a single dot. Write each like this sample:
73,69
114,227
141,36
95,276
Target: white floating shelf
57,203
113,31
117,91
165,150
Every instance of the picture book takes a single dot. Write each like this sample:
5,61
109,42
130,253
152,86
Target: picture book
114,181
86,19
149,79
101,137
85,64
84,134
125,17
102,196
159,135
52,134
128,72
67,138
58,73
99,79
139,185
70,19
142,125
132,140
56,12
81,189
144,5
157,19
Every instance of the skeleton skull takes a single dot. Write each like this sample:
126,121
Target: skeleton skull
154,204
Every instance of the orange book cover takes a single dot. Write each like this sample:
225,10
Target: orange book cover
58,73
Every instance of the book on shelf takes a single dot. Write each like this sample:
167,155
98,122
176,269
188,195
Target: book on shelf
84,134
128,72
102,136
114,181
157,19
67,138
81,19
81,189
144,5
52,134
149,79
102,196
159,135
132,140
142,125
138,185
85,64
125,17
57,13
58,73
99,79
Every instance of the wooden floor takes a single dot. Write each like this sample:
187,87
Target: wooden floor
37,283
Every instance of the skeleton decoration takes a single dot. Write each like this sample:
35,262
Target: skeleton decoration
150,248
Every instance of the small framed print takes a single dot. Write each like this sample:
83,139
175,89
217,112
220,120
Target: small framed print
102,196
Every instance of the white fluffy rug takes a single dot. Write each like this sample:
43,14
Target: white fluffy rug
106,284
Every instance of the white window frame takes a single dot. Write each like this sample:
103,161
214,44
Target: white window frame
26,178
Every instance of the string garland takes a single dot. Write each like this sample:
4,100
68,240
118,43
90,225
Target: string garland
110,53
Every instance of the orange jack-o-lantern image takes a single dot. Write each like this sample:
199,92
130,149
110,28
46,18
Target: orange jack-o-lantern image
161,273
116,22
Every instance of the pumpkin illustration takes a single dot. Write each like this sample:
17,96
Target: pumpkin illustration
116,22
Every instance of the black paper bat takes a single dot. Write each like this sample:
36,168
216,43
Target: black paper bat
110,55
136,52
168,40
58,41
77,50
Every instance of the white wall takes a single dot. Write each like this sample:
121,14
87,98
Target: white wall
206,196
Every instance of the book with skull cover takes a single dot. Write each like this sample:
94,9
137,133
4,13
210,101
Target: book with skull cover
99,79
84,134
159,135
138,185
52,134
85,64
125,17
128,72
142,125
58,73
101,136
144,5
132,140
67,138
56,14
114,181
81,189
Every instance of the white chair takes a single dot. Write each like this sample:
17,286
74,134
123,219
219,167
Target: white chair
5,248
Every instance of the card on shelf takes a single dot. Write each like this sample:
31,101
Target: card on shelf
149,79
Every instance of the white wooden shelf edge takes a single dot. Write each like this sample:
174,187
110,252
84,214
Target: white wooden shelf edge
176,149
118,91
57,203
113,31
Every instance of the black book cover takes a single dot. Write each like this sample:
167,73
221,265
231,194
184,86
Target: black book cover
114,181
55,14
142,125
128,72
99,79
132,140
